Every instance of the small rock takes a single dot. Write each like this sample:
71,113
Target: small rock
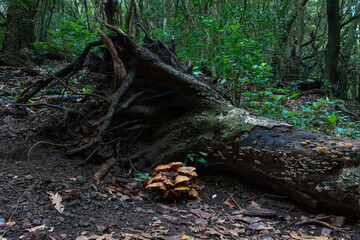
93,194
29,215
267,238
73,202
325,231
61,219
40,235
80,179
51,186
83,224
27,223
58,188
2,102
36,221
29,177
46,222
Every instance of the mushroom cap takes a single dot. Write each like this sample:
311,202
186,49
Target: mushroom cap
159,177
187,173
163,168
168,182
193,193
186,237
182,189
180,179
191,169
158,185
176,165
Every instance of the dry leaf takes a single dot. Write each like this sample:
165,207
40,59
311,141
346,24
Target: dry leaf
9,224
35,228
201,214
338,221
230,204
56,200
297,236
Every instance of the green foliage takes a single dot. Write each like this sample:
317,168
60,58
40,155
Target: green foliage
142,176
318,116
68,35
197,158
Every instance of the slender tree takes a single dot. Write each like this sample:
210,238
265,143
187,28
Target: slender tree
19,32
333,48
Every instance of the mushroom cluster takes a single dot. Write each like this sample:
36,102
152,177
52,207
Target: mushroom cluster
172,180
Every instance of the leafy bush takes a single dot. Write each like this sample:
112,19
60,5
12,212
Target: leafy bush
68,35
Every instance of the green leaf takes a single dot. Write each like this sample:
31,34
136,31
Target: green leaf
294,95
202,160
317,104
191,156
203,154
333,118
277,97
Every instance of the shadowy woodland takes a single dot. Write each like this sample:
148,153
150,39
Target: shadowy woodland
260,98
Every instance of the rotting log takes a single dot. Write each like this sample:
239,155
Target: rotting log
176,114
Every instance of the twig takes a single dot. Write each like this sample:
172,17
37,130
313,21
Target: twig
115,102
325,224
343,109
18,201
28,158
105,167
132,165
78,93
74,66
70,110
88,158
234,201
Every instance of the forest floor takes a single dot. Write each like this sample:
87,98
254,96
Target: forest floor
119,207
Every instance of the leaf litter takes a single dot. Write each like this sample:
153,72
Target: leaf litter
123,209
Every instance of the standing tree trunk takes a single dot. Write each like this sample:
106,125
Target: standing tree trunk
86,15
110,11
333,48
19,32
42,25
129,17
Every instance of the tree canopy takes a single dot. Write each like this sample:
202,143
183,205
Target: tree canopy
265,90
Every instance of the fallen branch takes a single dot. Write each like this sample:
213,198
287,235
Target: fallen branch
321,223
354,115
78,93
67,109
73,67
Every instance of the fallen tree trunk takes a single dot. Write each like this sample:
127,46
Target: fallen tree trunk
178,114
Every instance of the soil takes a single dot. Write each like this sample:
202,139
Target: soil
119,207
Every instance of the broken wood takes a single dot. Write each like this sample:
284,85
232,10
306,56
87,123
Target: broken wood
182,115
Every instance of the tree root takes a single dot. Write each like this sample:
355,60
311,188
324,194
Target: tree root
73,67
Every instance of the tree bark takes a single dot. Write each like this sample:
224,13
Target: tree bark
129,16
333,49
110,11
19,32
313,169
